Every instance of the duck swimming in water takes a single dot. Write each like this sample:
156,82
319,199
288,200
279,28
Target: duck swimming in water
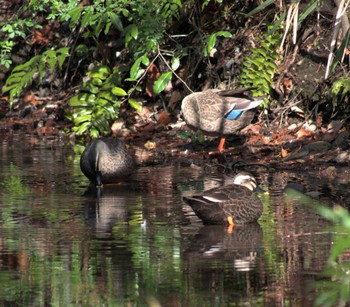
236,203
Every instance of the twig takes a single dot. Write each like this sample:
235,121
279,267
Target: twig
141,78
176,75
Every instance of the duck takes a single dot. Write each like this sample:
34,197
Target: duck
219,112
106,160
233,204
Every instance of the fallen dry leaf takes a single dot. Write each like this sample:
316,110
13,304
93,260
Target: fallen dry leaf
152,75
303,133
150,145
284,153
163,119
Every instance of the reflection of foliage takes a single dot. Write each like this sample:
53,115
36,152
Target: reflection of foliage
334,287
12,183
268,224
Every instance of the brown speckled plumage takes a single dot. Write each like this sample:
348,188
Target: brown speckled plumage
216,205
206,111
106,160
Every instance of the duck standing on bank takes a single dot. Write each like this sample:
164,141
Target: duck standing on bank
106,160
219,112
235,203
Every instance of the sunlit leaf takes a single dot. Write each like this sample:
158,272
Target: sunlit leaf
175,63
162,82
133,103
118,91
116,21
211,43
131,32
224,33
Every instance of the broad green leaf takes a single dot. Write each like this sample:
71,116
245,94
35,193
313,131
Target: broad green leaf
224,34
83,128
175,63
211,43
118,91
74,15
108,96
90,87
61,56
116,21
94,133
261,51
100,24
82,118
134,104
7,88
135,68
86,18
145,60
108,26
162,82
131,32
76,102
101,72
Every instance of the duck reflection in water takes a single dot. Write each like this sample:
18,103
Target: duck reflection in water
105,208
214,243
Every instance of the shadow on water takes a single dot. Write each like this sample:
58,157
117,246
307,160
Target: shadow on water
136,243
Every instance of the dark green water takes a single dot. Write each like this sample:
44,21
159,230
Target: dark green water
137,244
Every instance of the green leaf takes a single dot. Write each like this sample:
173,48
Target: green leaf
83,128
82,118
101,72
224,33
134,104
86,18
90,87
76,102
162,82
108,26
312,6
211,43
131,32
118,91
100,24
62,53
74,15
175,63
116,21
108,96
145,60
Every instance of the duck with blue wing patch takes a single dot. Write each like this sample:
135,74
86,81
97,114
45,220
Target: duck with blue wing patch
219,112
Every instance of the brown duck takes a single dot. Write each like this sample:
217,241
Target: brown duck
219,112
106,160
235,203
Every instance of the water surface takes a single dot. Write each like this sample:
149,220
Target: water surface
138,244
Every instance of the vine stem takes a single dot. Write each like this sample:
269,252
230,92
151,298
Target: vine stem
159,55
141,78
176,75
